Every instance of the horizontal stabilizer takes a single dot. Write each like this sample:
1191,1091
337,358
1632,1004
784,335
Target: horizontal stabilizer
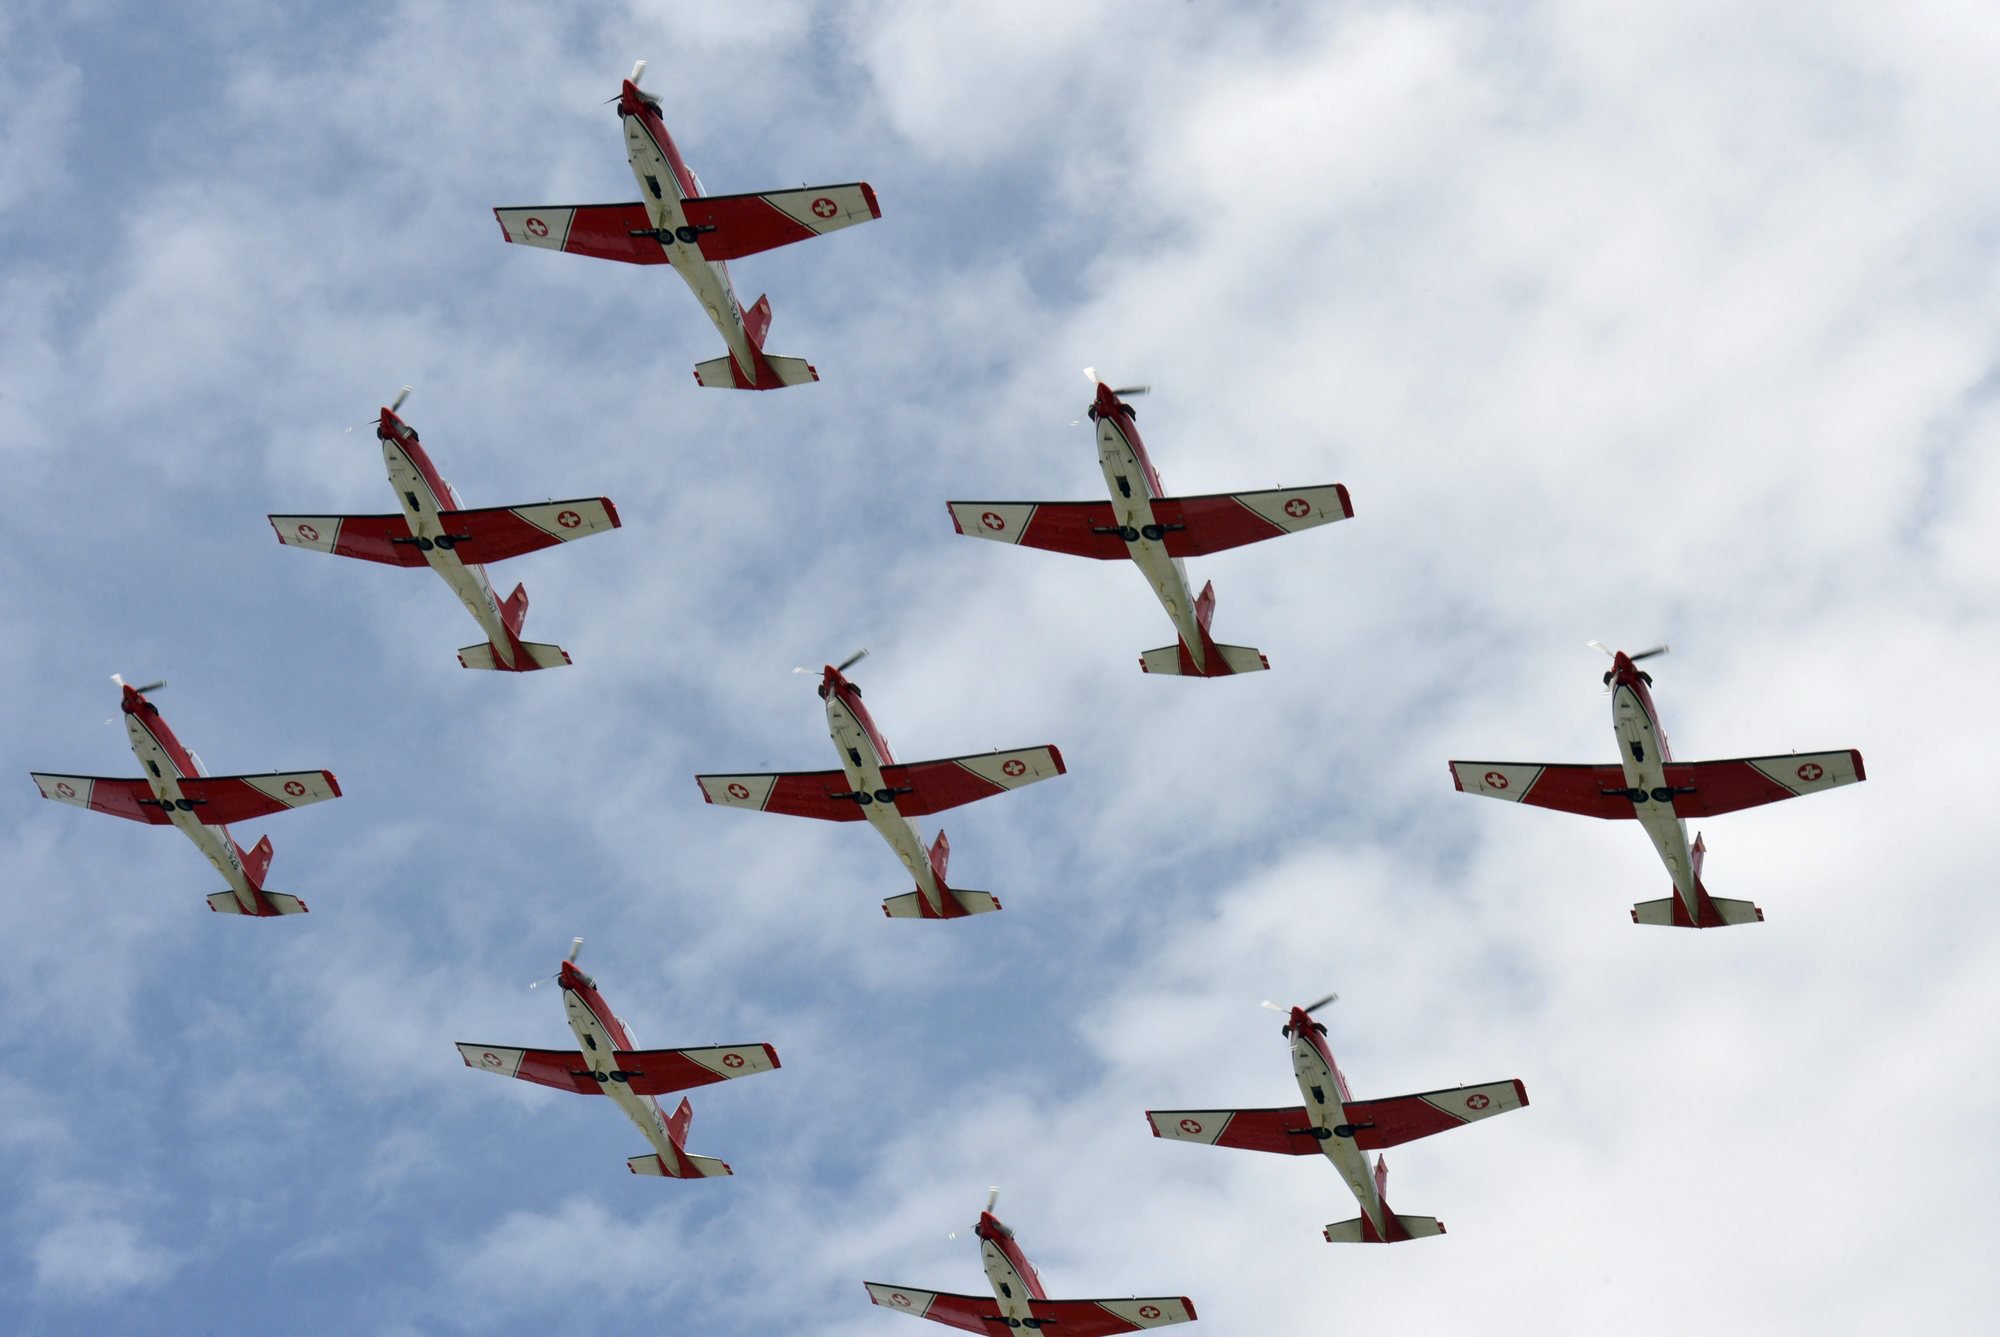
912,905
1175,661
225,903
696,1167
1715,913
1362,1231
531,655
722,373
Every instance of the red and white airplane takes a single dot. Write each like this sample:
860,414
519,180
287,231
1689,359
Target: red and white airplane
1156,531
177,791
1342,1128
872,784
435,530
674,223
611,1063
1019,1300
1648,785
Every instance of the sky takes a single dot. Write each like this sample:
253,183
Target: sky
1642,323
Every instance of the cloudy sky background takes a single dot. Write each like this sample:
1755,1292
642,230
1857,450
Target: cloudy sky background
1637,322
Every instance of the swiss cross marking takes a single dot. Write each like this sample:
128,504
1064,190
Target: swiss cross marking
64,789
1297,508
1811,771
1478,1101
1016,767
490,1059
294,788
1495,780
1149,1312
738,791
1190,1126
825,207
538,227
569,519
993,521
900,1299
732,1060
308,533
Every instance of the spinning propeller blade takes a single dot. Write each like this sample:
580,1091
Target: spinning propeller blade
851,660
575,946
1314,1007
397,402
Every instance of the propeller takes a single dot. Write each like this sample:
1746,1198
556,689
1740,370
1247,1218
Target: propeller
992,1196
1090,374
575,946
1643,654
1309,1008
119,678
638,73
397,402
851,660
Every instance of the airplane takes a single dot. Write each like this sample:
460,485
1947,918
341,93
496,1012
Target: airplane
1647,784
1343,1129
614,1066
1019,1301
1157,532
435,530
872,784
178,791
676,223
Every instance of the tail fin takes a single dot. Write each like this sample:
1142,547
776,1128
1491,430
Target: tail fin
257,862
1204,605
515,611
679,1121
940,855
1219,661
957,905
225,903
757,320
1710,911
773,373
1395,1229
528,656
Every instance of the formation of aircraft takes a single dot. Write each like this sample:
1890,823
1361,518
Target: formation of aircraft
610,1063
1019,1300
674,222
1156,532
177,791
434,529
872,785
1647,785
1334,1124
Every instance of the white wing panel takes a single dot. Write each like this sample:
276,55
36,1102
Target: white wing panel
294,789
1496,779
1297,508
738,791
546,226
492,1058
1002,520
1011,770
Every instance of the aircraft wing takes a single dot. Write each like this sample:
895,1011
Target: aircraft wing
222,799
1079,528
818,794
731,226
1579,789
932,786
603,231
1399,1119
372,538
564,1069
130,799
1199,525
1286,1132
655,1072
1072,1318
495,533
1725,786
